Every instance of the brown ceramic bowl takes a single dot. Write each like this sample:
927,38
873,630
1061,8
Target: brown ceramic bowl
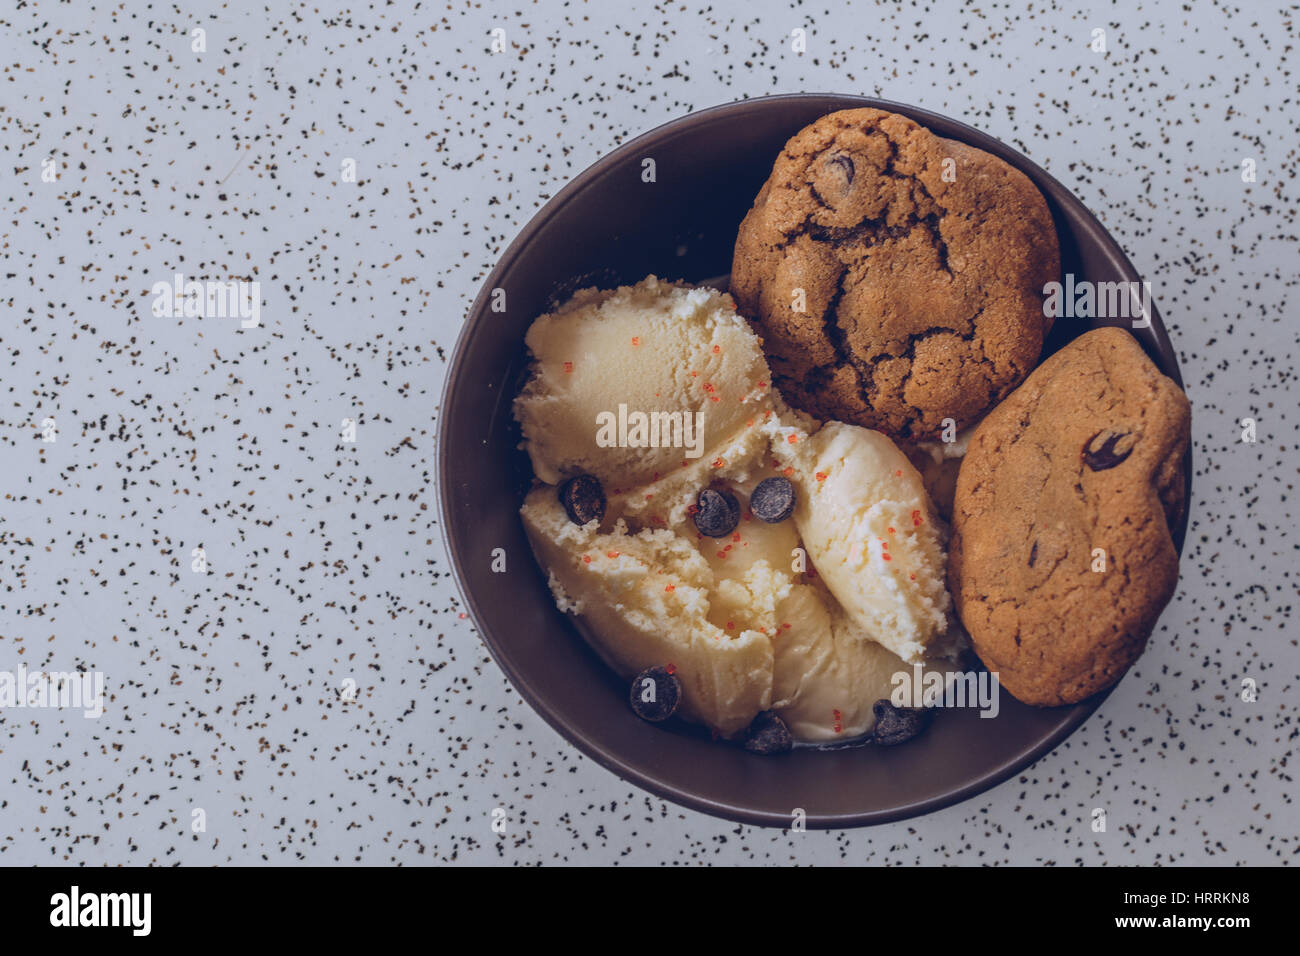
607,227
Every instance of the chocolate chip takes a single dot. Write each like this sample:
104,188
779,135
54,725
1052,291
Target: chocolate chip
583,499
845,165
772,500
655,694
1107,453
896,725
768,734
717,512
1033,554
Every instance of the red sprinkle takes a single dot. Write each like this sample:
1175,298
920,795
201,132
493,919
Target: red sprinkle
636,340
671,668
568,367
586,559
821,476
718,348
916,518
611,554
670,588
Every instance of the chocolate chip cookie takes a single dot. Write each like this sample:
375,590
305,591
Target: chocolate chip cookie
1061,557
896,277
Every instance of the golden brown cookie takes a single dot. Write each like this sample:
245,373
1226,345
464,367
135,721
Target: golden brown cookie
1061,557
896,277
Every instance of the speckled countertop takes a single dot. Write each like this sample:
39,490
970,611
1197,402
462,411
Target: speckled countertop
325,562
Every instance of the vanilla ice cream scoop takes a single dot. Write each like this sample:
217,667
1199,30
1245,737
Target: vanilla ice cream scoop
640,382
873,536
648,601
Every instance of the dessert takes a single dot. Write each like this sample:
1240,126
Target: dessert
1061,556
895,276
939,462
738,567
871,532
772,570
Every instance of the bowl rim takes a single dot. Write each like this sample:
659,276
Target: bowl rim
995,775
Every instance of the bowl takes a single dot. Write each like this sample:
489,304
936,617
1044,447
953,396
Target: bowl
609,227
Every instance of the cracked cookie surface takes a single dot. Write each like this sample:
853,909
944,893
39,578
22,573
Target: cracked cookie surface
921,297
1061,557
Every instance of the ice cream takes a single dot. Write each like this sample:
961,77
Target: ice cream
782,616
652,384
869,528
939,463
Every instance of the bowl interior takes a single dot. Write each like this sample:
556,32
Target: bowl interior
615,224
